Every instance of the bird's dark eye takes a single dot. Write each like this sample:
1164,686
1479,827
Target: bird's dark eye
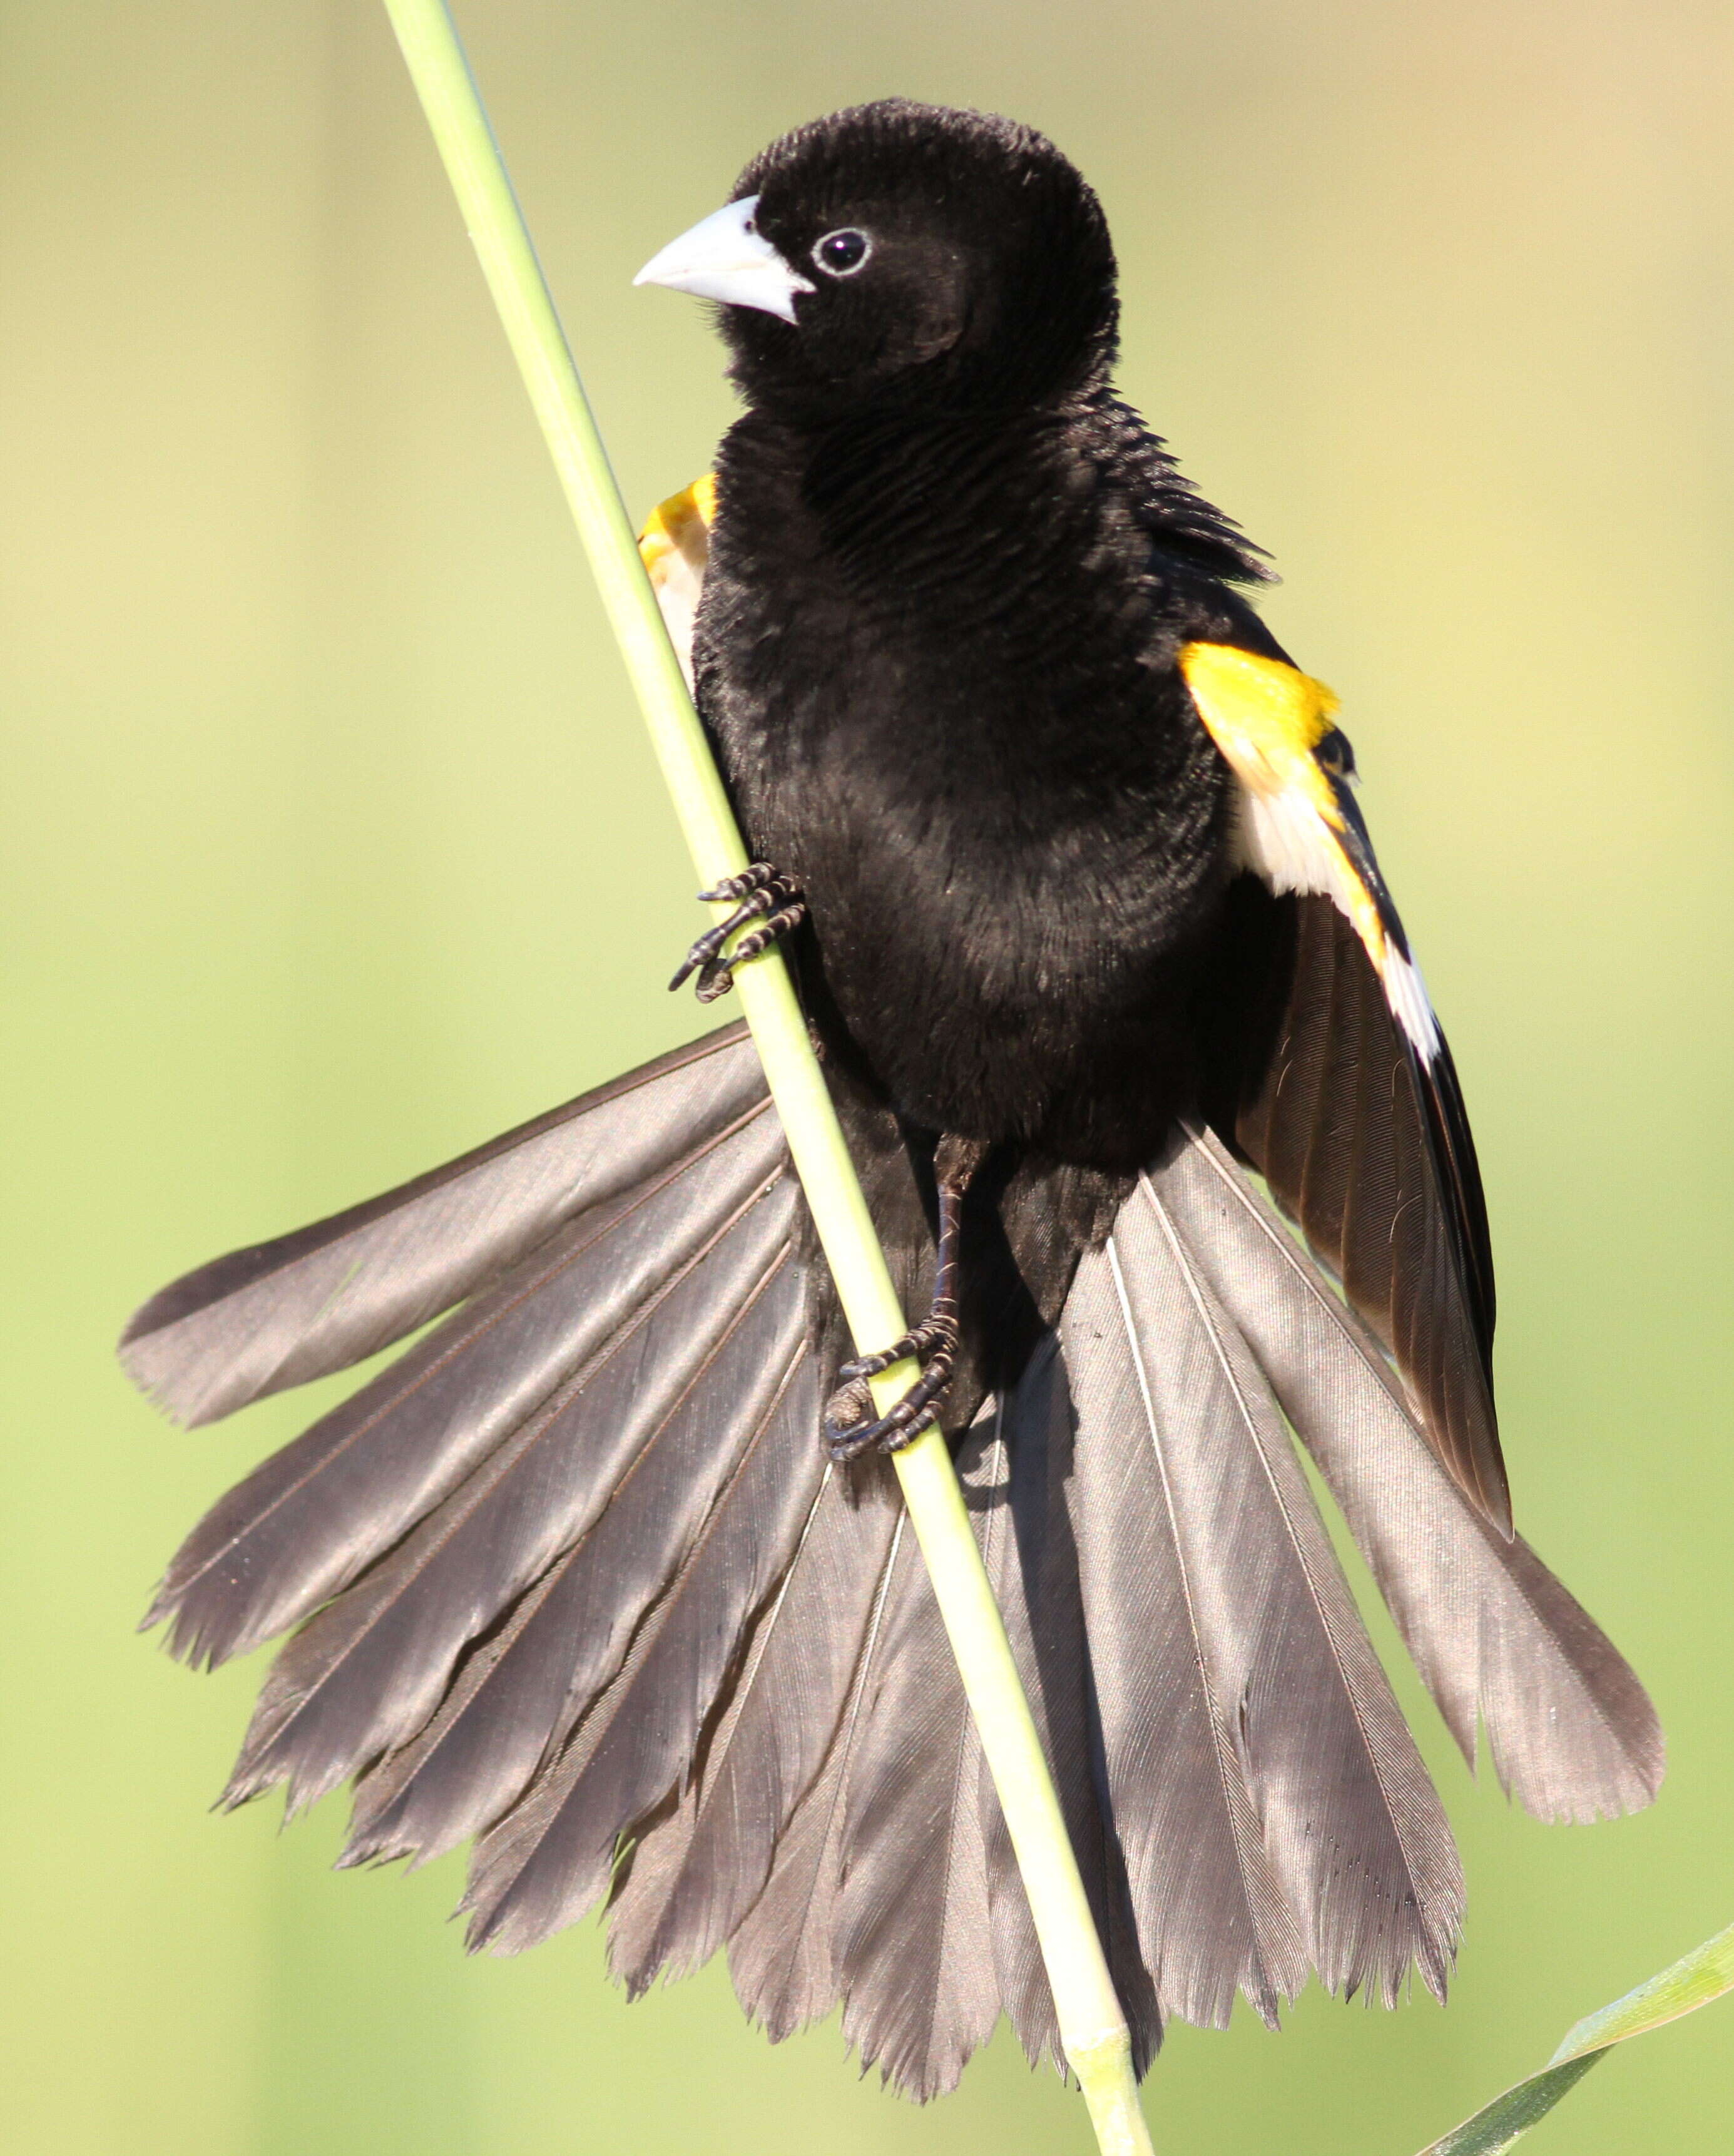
841,253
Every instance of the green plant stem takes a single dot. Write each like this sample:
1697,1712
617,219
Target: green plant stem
1093,2029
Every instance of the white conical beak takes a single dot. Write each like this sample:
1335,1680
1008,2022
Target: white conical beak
723,257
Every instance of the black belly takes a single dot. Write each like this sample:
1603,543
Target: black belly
997,959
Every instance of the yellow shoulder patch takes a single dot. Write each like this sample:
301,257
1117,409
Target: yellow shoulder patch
1296,828
674,546
1267,718
678,526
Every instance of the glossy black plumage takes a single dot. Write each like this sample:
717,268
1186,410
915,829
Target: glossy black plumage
1008,822
573,1576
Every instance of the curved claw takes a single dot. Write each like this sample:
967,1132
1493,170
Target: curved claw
902,1425
851,1427
761,890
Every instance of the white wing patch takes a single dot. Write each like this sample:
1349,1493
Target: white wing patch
1299,827
674,546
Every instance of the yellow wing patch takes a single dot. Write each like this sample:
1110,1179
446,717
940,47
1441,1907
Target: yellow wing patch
1300,828
1267,718
674,545
679,526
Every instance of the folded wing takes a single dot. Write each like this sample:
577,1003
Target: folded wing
1351,1109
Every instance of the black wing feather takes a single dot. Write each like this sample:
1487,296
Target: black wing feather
1365,1144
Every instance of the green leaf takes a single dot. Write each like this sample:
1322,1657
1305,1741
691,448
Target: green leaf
1689,1984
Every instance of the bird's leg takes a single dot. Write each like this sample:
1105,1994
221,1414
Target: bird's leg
851,1426
766,896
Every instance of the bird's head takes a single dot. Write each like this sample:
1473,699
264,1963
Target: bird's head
908,255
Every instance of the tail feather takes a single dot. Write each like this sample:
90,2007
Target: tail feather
782,1955
1335,1776
550,1858
915,1931
929,1930
1211,1916
692,1880
1036,1587
1307,1739
522,1691
310,1519
366,1672
326,1297
1498,1641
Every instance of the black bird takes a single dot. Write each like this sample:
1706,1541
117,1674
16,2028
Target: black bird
1090,935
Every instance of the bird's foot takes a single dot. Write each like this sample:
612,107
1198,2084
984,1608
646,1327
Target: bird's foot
851,1425
766,896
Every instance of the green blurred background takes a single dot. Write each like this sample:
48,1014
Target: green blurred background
332,847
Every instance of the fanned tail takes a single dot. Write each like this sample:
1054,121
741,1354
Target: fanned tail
573,1580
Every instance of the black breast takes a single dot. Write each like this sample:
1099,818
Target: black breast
938,659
